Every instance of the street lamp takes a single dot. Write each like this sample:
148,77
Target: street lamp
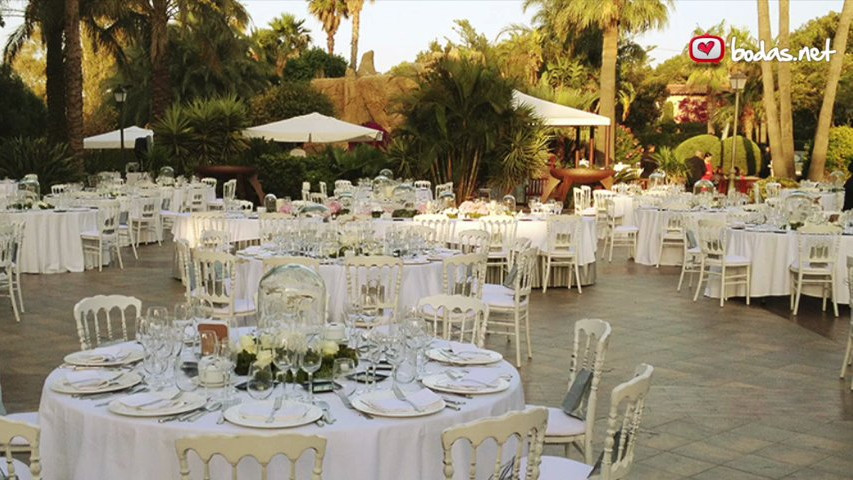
121,95
738,82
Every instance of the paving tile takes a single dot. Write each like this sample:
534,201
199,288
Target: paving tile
737,442
758,465
726,473
707,452
677,464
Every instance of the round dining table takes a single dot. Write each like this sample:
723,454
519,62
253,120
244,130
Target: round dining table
83,440
52,242
652,225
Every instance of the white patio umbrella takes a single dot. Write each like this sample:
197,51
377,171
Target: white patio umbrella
113,139
558,115
313,128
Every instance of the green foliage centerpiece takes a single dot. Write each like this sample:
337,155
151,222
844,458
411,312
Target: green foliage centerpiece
261,350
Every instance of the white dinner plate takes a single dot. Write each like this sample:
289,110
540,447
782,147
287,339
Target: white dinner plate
87,358
474,357
362,404
416,261
312,413
442,383
186,402
126,380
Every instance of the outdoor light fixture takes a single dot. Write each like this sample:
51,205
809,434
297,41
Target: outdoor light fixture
738,82
121,95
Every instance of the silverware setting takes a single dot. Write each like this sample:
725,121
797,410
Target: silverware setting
348,403
275,408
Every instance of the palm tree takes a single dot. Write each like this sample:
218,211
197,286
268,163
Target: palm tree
329,13
821,136
353,8
74,77
286,38
786,120
780,167
612,17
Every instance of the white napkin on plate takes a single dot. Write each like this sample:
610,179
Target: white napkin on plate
423,399
149,401
83,379
260,411
478,379
107,354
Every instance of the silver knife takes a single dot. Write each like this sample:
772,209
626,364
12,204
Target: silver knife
347,403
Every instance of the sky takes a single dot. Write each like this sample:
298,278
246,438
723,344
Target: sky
396,30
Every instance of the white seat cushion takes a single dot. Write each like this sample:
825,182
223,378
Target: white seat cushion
694,251
560,253
736,260
22,471
90,234
812,268
589,212
562,425
501,301
27,417
559,468
497,289
626,229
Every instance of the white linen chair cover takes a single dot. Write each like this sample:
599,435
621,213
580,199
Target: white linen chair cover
463,319
11,432
715,261
592,337
7,274
619,235
106,237
848,353
464,275
215,276
817,254
98,311
262,448
373,284
513,303
561,249
474,241
525,429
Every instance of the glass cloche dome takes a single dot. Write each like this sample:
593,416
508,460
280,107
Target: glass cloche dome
292,297
704,186
313,210
509,203
270,202
404,195
837,178
657,179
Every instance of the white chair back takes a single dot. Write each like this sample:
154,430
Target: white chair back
712,238
525,265
215,276
582,198
463,319
209,181
58,188
464,274
373,284
474,241
196,199
592,337
562,233
108,218
423,184
262,448
817,249
501,229
215,241
229,189
627,402
440,224
95,318
202,221
11,430
525,429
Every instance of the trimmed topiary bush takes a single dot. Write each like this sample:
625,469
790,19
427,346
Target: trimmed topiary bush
289,100
840,151
702,143
748,155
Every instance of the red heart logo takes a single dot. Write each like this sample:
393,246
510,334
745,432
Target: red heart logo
705,47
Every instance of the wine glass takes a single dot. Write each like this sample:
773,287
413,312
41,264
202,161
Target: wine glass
159,315
311,361
186,375
260,384
341,367
183,319
296,361
282,359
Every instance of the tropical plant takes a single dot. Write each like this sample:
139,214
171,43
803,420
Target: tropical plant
22,113
460,124
52,162
839,153
522,154
353,9
628,148
285,39
612,17
329,13
669,163
315,63
781,167
74,77
289,100
821,139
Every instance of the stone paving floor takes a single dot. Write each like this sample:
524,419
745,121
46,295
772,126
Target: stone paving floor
738,392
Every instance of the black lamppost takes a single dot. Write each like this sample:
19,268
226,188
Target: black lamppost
121,95
738,82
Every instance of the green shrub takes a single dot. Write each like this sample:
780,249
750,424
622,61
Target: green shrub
315,63
748,155
103,160
281,174
702,143
628,149
289,100
52,163
669,162
840,151
22,113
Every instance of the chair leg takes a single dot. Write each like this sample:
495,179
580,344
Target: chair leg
517,341
699,283
798,293
527,334
587,450
100,256
847,356
118,254
12,298
723,291
681,277
577,275
610,258
21,299
748,283
546,272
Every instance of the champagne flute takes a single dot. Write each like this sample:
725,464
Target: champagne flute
282,359
311,361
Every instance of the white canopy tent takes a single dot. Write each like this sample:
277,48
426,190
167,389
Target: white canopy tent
558,115
113,139
313,128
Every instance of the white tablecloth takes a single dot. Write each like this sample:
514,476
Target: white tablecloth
82,441
8,187
52,242
829,201
418,281
771,255
652,223
241,229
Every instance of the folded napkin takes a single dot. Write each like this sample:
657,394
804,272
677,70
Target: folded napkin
478,378
459,348
422,399
259,412
86,379
149,401
107,354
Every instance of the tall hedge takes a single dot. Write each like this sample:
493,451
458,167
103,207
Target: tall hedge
748,155
289,100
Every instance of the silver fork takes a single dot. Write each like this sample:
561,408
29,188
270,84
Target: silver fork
328,418
276,406
402,396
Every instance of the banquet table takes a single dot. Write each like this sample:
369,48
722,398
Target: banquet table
652,223
52,242
81,440
771,253
419,280
829,201
8,187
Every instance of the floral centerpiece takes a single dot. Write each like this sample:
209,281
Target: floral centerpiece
479,208
260,350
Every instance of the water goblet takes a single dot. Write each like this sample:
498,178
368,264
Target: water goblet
311,361
341,367
260,384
